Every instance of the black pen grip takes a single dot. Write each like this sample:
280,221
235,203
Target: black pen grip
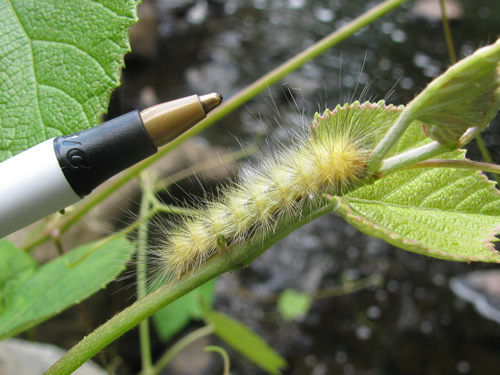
92,156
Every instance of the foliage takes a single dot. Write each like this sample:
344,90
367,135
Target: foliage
174,317
33,295
246,342
293,304
59,60
427,210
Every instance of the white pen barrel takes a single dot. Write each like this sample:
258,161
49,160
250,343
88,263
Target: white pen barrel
32,186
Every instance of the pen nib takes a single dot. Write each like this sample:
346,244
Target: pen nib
210,101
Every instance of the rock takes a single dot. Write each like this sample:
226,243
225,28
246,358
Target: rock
482,289
20,357
431,10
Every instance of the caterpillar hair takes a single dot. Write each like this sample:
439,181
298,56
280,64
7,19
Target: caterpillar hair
327,158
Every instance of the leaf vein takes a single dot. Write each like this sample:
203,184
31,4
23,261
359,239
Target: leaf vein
32,63
69,96
455,228
86,53
400,187
111,10
432,194
408,207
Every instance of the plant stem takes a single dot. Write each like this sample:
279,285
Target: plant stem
443,89
178,347
447,33
222,111
174,210
486,154
239,256
224,356
348,287
412,156
419,154
461,164
142,242
114,236
390,139
205,166
483,149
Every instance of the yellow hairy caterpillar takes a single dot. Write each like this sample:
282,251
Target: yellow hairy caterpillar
329,158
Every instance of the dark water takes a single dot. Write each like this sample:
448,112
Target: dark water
413,324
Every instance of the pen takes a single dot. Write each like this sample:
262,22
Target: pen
60,171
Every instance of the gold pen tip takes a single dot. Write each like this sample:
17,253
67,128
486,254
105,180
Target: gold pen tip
210,101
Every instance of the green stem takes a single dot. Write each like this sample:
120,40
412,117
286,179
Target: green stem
175,210
180,346
418,108
483,149
205,166
390,139
224,356
416,155
447,33
461,164
239,257
348,287
486,154
142,243
222,111
116,235
411,157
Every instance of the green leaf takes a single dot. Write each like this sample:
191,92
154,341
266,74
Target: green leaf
59,61
246,342
13,261
362,119
445,213
466,95
174,317
61,283
292,304
15,265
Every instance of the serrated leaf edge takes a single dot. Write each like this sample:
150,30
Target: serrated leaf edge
342,208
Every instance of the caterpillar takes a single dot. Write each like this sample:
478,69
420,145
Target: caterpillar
327,158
